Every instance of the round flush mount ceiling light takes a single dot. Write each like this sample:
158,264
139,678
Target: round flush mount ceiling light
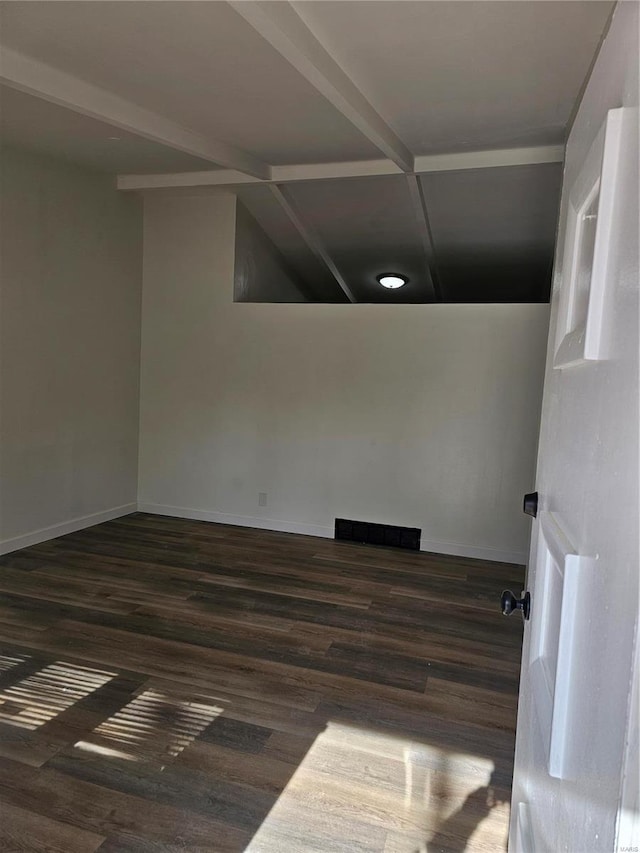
392,280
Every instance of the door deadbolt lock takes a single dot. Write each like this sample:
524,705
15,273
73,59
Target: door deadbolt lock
509,604
530,504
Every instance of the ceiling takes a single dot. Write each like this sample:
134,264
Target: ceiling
418,137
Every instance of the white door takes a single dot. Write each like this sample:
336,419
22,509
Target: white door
574,740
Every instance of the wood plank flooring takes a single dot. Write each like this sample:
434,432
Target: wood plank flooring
171,685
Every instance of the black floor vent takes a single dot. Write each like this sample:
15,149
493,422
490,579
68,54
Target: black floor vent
387,535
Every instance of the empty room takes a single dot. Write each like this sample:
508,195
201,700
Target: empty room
319,471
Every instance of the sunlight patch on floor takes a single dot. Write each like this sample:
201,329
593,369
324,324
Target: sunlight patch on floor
359,790
40,697
154,726
7,662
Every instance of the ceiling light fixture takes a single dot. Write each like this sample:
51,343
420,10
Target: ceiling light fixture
392,280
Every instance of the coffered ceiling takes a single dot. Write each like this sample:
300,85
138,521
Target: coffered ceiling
417,137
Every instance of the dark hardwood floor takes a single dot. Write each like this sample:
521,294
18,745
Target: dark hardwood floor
170,685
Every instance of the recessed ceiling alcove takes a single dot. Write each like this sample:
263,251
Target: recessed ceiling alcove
473,235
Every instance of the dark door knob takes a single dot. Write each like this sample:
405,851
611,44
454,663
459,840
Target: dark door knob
509,603
530,504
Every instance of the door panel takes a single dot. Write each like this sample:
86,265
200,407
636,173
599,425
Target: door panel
555,642
573,742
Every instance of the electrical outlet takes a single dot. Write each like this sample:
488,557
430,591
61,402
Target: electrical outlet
262,498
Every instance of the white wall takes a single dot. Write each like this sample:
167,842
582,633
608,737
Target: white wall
70,343
419,415
261,272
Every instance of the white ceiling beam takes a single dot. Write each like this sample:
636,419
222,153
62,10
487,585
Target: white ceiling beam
492,158
358,169
35,78
310,237
424,228
279,175
171,180
284,29
327,171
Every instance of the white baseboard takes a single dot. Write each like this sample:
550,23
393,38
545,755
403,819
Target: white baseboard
46,533
239,520
480,552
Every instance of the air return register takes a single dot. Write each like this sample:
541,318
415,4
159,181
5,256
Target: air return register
387,535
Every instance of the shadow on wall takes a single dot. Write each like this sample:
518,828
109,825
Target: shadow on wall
261,272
